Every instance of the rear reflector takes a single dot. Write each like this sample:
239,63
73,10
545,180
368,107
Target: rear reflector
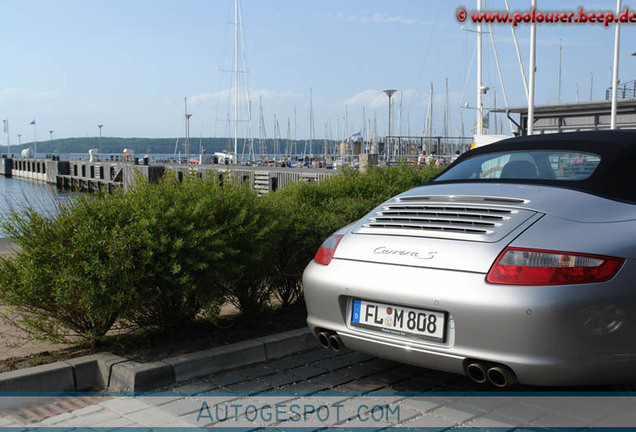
327,249
517,266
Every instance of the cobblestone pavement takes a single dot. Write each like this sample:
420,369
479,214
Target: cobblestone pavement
319,388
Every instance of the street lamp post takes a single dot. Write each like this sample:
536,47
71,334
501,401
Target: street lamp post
187,145
187,131
51,135
389,93
100,126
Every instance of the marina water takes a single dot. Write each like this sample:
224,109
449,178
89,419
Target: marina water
19,194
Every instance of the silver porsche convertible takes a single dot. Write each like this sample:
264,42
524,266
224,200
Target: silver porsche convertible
516,264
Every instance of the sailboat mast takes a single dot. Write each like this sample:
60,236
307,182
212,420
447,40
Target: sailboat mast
345,130
311,123
501,81
288,148
429,126
446,111
559,78
365,137
480,107
276,134
295,133
326,141
514,38
399,127
262,131
236,77
617,39
533,63
370,143
375,132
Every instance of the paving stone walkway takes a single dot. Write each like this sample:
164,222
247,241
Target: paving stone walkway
319,388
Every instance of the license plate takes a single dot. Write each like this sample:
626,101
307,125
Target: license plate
398,320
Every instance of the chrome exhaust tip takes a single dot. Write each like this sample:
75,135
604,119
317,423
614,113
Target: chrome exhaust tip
501,376
323,339
335,342
477,372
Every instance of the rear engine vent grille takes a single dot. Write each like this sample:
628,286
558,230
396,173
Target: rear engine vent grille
476,220
471,218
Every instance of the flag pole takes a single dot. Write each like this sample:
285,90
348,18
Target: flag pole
6,130
35,138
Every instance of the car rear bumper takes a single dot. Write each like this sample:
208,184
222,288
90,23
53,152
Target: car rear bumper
555,335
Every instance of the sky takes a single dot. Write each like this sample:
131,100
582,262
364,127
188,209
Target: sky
129,65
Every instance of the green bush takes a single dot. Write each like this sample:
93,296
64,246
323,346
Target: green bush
157,255
73,275
196,242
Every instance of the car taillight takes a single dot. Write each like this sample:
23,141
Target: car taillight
327,249
517,266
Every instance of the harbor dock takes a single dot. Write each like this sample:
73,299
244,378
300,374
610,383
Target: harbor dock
108,175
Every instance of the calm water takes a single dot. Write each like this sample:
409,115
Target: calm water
19,194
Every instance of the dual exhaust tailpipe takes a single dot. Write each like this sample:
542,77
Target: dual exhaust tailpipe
480,372
497,374
330,339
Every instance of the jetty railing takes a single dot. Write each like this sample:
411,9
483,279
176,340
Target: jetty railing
625,90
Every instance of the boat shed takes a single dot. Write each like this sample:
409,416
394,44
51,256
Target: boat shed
577,116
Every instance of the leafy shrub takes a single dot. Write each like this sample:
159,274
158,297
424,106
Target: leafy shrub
157,255
196,242
73,274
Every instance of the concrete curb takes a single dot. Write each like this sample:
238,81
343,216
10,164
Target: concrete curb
133,376
216,359
93,371
46,378
110,372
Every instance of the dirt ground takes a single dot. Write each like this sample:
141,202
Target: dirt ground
7,247
13,342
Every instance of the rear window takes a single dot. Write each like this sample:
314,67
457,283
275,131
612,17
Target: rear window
526,165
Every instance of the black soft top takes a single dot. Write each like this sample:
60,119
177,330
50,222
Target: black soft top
614,177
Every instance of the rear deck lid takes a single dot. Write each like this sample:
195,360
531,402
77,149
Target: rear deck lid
450,232
470,218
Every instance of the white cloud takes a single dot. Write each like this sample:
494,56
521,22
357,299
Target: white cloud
375,99
370,98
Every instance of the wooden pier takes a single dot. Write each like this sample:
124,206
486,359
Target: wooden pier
109,175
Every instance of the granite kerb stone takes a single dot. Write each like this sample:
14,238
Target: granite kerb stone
106,371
